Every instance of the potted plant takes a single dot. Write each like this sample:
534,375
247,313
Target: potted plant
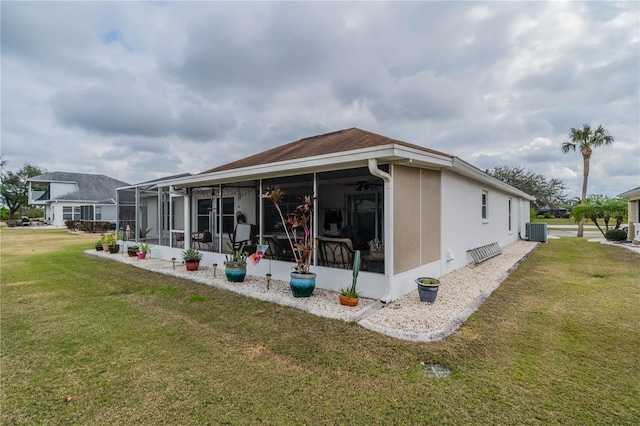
145,249
107,240
349,296
302,281
376,249
191,257
132,251
111,241
236,264
428,289
99,245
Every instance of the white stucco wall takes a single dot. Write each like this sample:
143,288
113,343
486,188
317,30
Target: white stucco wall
462,223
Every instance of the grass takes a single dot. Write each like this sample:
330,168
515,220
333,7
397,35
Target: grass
572,221
556,343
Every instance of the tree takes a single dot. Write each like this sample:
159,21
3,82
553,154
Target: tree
601,208
588,209
585,140
14,188
547,192
616,208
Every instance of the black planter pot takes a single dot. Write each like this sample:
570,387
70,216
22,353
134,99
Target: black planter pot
428,289
114,248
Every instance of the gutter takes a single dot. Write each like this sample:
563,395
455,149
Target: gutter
388,225
466,169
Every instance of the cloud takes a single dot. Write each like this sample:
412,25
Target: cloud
124,107
204,83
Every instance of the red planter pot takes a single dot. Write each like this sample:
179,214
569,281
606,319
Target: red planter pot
192,265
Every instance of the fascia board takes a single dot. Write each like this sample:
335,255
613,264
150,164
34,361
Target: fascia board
51,181
632,193
465,169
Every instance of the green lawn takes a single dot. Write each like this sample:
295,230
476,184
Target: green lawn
572,221
558,342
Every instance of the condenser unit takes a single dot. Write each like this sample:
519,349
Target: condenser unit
536,232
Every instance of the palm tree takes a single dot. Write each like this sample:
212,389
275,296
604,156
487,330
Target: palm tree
585,140
590,209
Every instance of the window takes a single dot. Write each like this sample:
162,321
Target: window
485,204
86,213
509,214
98,213
67,213
204,212
228,214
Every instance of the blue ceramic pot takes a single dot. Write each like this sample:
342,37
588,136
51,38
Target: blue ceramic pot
236,274
302,285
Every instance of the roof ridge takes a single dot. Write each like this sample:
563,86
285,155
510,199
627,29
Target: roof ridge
326,134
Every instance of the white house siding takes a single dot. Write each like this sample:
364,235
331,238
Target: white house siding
463,227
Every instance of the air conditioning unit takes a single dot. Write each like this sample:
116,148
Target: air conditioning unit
536,232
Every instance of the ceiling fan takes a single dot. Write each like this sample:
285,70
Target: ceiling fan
363,185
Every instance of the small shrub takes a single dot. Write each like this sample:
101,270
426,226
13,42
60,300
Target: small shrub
70,224
615,235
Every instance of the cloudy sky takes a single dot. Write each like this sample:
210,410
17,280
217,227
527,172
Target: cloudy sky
140,90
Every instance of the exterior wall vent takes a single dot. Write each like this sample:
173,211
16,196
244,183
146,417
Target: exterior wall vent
536,232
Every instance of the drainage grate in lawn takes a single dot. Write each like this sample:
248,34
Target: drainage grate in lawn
435,370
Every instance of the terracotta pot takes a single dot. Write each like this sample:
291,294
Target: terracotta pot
348,301
192,265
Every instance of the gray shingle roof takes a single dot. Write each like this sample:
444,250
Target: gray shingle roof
90,187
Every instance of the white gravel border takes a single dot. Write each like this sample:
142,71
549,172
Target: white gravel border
461,293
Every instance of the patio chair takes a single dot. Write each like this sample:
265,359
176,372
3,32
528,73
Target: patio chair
241,236
335,252
179,240
274,251
206,240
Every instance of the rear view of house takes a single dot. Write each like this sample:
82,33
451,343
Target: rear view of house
425,207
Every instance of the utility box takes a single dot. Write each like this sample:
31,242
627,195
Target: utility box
536,232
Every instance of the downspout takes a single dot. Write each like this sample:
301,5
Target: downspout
388,226
187,218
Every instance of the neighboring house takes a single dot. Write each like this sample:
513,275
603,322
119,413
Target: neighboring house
427,207
75,196
633,197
